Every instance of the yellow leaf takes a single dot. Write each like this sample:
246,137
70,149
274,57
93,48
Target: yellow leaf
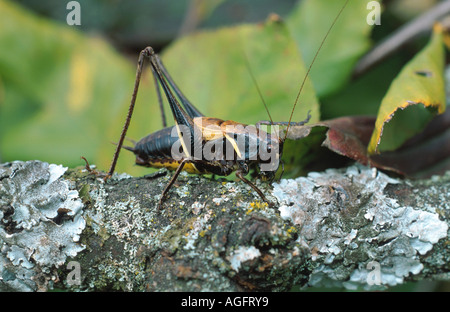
414,97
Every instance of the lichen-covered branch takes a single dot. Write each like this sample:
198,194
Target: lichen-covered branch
353,227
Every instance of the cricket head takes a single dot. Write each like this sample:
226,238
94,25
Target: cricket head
270,152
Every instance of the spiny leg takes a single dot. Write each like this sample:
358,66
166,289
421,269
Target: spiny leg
190,109
240,175
159,73
172,181
158,92
144,53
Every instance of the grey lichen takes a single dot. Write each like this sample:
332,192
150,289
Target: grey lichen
333,228
41,223
192,244
346,216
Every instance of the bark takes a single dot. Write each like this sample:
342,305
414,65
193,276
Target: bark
354,227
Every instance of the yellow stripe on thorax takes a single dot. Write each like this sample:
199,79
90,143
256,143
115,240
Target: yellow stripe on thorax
214,128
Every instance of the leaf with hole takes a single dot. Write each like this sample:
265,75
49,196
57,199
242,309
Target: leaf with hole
414,97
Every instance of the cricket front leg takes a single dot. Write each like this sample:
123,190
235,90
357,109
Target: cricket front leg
172,181
240,175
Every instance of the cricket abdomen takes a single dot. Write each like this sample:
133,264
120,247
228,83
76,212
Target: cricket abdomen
155,150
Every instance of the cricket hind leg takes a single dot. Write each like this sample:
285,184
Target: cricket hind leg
160,100
142,56
191,110
159,73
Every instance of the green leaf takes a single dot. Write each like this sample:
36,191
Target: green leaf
348,40
65,94
414,97
212,73
210,68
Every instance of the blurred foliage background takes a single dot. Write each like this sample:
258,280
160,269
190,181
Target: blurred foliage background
65,90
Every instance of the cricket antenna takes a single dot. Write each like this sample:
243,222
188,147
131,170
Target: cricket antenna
310,66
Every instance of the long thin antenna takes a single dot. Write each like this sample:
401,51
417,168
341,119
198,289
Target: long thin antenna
312,63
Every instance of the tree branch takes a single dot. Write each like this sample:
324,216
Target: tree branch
353,227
